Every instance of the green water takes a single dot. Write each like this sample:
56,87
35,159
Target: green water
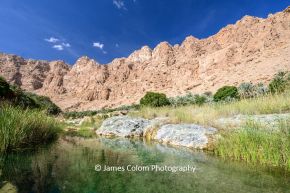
69,166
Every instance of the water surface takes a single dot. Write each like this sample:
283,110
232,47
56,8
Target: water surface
69,167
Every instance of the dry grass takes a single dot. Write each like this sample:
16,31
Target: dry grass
206,114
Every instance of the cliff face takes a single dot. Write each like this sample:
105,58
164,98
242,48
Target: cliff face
253,49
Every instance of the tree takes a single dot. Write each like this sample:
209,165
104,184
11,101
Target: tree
154,100
226,93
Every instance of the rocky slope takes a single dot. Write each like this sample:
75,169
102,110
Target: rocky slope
253,49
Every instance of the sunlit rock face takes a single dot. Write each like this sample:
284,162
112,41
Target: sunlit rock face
184,135
253,49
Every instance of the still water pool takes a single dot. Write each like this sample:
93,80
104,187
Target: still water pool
70,165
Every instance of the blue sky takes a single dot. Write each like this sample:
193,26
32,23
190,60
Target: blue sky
106,29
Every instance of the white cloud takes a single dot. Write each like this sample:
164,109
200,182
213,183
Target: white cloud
52,40
119,4
58,44
58,47
66,45
98,45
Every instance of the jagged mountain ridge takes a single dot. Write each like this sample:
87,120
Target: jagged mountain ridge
252,49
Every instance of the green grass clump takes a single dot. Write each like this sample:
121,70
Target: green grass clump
84,132
92,123
22,129
254,144
87,128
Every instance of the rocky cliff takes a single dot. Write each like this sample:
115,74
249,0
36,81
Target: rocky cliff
252,49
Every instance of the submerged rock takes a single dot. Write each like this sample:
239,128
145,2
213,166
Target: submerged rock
188,135
8,187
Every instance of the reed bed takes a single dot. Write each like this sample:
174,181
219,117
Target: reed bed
24,129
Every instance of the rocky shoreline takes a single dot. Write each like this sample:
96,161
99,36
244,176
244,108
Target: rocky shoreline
186,135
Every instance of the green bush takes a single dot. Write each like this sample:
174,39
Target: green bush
22,99
279,83
154,100
226,93
15,96
5,91
45,103
200,99
33,101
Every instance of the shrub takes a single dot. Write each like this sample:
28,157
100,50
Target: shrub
5,91
74,114
33,101
15,96
190,99
182,100
226,93
249,90
246,90
279,82
154,100
209,97
200,99
45,103
261,89
22,99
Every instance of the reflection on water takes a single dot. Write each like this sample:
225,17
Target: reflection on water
68,167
